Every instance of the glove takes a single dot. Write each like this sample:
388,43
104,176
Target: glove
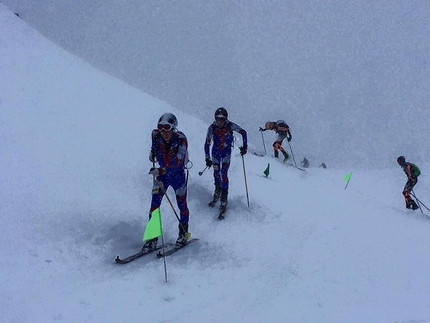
289,138
261,129
152,157
157,171
154,171
208,162
243,150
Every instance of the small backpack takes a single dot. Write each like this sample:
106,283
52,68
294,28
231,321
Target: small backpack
415,169
282,126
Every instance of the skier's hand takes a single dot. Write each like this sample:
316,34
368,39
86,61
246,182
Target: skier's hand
261,129
157,171
154,171
208,162
243,150
289,139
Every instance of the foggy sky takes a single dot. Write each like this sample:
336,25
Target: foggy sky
348,77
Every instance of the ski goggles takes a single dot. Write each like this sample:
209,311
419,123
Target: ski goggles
164,127
219,118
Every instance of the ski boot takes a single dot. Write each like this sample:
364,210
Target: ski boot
413,205
223,206
216,196
286,157
150,245
182,239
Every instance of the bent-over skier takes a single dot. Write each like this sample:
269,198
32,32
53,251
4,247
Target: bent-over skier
412,172
283,131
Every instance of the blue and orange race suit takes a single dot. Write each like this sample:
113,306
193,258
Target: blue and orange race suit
172,158
222,138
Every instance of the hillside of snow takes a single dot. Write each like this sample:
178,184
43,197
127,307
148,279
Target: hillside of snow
75,193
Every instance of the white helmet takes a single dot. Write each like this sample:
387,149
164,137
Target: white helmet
168,119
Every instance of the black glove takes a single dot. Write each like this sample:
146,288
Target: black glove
152,157
289,138
261,129
208,162
243,150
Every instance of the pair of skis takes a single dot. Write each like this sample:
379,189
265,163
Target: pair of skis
221,215
160,254
259,154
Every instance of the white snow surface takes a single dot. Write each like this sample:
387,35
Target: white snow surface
75,193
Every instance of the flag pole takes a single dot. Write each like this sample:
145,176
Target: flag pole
162,233
347,177
165,264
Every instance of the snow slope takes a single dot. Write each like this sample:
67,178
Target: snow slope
75,193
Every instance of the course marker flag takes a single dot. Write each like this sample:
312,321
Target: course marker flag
153,227
347,178
266,172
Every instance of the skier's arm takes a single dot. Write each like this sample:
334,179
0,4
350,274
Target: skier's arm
289,135
153,155
209,136
409,171
242,131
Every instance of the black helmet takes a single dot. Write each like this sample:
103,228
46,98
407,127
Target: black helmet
401,160
166,120
221,113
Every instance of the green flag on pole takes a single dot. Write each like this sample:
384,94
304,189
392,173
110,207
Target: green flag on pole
153,227
347,178
266,172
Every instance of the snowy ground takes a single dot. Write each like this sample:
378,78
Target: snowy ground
75,193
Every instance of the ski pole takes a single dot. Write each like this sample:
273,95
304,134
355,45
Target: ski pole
264,145
244,175
292,154
419,202
201,173
413,194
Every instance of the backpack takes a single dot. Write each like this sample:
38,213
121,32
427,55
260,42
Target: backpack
415,170
282,126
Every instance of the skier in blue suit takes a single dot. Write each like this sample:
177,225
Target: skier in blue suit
170,149
221,133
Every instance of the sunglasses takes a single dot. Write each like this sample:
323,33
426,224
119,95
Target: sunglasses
164,127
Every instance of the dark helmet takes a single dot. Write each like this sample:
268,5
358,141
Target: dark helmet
401,160
168,119
221,113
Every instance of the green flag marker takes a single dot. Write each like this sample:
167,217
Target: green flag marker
347,178
153,227
266,172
